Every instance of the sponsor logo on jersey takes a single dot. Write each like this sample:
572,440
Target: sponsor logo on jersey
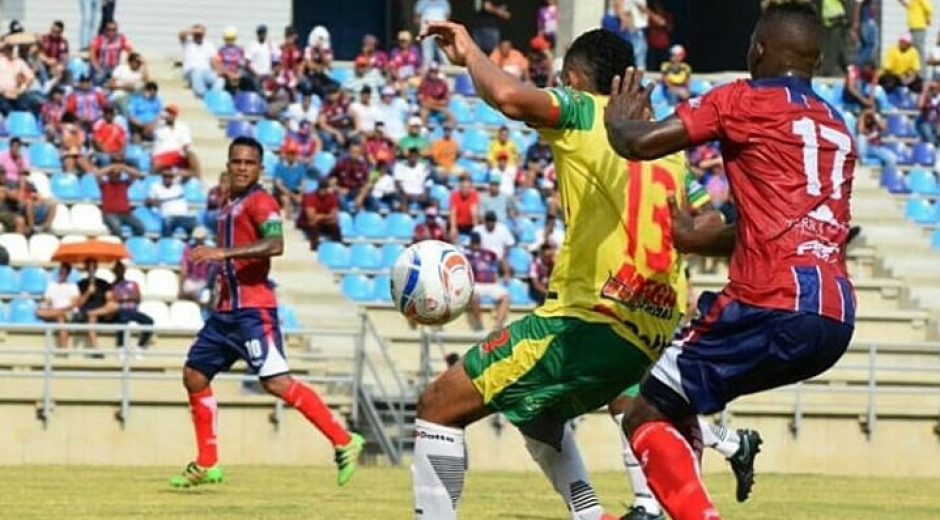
639,293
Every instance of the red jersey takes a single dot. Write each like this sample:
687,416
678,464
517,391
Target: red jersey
243,220
790,161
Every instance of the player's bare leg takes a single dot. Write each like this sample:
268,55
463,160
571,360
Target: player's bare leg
645,506
204,409
348,445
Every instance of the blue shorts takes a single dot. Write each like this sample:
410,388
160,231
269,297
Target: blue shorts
736,349
249,334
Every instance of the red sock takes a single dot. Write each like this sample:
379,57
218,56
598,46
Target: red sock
205,412
304,399
672,470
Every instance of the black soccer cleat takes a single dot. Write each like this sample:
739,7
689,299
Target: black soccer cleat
639,513
742,462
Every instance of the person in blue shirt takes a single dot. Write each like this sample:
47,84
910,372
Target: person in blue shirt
143,112
617,21
290,178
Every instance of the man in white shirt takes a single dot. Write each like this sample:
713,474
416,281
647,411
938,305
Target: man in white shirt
364,76
551,233
506,173
365,112
297,113
411,175
393,111
427,11
15,79
170,202
495,237
260,54
173,145
58,301
197,60
128,78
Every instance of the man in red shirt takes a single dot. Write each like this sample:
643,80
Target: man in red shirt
351,175
105,52
430,229
292,56
114,181
53,50
244,324
334,122
464,203
108,138
320,214
379,147
788,310
434,95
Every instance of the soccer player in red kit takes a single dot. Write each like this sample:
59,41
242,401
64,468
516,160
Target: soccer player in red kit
788,311
244,324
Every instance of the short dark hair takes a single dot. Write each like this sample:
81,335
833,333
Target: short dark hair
151,85
601,55
58,24
244,140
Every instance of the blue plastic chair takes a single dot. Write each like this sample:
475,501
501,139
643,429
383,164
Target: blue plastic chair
901,151
142,251
150,220
220,103
288,317
922,182
461,111
924,154
390,253
250,103
341,74
357,287
324,162
365,256
23,311
662,111
137,192
44,156
382,288
699,86
333,255
893,180
475,141
463,85
346,227
488,115
88,186
271,133
519,260
935,239
899,125
530,201
194,193
3,314
269,161
400,225
369,224
33,280
23,124
239,128
78,67
442,195
9,280
518,292
170,251
525,229
65,186
921,211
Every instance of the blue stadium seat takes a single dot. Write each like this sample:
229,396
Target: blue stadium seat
903,98
250,103
44,156
78,67
530,201
65,186
899,125
88,186
922,182
170,251
147,217
477,171
324,162
924,154
822,90
699,86
357,287
662,111
369,224
525,229
460,109
9,280
23,124
271,133
658,95
137,192
238,128
400,225
488,115
288,318
519,260
522,139
518,292
463,85
333,255
142,251
33,280
475,141
341,74
893,180
3,314
390,253
194,192
382,289
922,211
269,162
220,103
365,256
901,151
23,311
442,195
935,239
346,227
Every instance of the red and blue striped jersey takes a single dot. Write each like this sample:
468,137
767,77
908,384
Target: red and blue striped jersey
108,50
244,220
231,57
790,161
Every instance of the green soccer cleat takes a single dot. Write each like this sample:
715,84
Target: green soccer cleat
195,475
742,462
347,458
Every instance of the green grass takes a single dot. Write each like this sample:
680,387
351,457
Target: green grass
56,492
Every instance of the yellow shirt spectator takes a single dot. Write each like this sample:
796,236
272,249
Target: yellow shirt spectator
918,14
676,74
497,148
901,61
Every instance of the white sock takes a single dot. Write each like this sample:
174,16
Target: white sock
642,494
719,438
566,472
437,471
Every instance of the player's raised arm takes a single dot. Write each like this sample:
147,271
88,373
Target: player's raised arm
499,89
629,130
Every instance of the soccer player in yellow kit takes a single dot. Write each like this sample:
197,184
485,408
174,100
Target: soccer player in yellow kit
613,298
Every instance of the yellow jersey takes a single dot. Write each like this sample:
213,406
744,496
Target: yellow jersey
616,264
918,14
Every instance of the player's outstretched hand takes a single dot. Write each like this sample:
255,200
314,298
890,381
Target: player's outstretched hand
452,38
203,254
629,99
683,226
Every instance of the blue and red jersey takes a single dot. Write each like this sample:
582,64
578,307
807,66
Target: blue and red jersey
790,160
244,220
231,57
108,50
484,264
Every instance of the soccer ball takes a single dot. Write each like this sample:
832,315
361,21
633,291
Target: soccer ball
431,282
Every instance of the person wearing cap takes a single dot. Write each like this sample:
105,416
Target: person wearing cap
431,228
173,145
494,201
229,62
503,145
127,297
376,57
58,301
676,75
414,138
364,112
114,181
290,177
305,141
260,54
513,62
320,215
105,52
393,111
365,76
168,199
411,179
434,95
486,267
901,66
318,55
404,62
143,112
198,53
108,138
128,78
541,69
506,172
15,78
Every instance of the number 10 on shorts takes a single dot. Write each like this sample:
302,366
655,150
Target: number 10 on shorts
253,346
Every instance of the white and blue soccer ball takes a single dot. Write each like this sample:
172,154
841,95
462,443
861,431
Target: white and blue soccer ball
431,282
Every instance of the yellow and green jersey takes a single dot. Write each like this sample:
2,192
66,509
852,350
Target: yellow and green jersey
617,264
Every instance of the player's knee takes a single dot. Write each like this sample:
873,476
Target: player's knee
276,386
194,380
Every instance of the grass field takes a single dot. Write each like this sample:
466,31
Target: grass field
310,493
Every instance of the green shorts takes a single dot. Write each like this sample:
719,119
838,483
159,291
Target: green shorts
556,365
632,391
